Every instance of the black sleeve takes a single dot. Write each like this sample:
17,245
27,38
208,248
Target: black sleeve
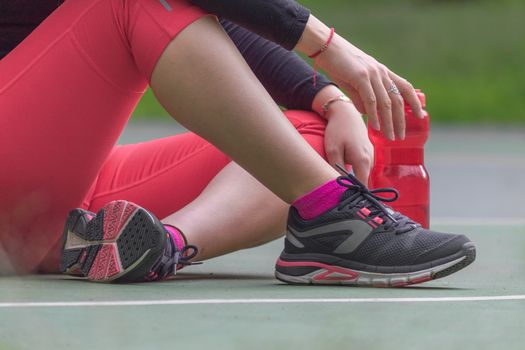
19,18
287,77
281,21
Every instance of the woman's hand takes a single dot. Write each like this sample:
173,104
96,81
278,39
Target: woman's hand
346,135
374,89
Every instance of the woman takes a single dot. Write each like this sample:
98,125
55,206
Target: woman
100,56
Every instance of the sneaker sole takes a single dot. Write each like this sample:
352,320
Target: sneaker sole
121,244
319,273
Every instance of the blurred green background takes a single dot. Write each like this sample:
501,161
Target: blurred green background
467,55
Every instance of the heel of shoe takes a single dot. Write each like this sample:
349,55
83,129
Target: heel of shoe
121,243
77,253
132,241
107,229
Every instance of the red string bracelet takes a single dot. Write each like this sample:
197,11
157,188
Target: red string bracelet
325,45
321,50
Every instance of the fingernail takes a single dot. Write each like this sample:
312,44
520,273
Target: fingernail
392,137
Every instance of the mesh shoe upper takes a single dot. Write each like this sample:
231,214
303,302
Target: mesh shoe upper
363,230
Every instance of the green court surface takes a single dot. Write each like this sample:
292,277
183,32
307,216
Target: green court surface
234,302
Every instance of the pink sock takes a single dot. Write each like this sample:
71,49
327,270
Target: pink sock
176,234
320,200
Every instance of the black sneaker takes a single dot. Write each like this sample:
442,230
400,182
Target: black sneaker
123,243
364,242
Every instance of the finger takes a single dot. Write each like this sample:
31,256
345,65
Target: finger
362,166
334,156
384,105
409,94
368,96
361,172
356,99
398,109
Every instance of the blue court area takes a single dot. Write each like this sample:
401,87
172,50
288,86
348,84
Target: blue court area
233,302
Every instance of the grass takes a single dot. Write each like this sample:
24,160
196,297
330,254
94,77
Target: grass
466,55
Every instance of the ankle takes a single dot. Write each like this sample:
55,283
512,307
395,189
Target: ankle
320,200
178,237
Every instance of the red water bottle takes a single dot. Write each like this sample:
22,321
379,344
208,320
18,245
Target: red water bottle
400,164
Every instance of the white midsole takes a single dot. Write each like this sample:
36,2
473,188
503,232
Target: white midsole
367,278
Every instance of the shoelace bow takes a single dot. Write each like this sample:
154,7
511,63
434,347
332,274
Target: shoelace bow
362,197
173,259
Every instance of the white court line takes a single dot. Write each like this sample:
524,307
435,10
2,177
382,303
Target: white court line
486,221
259,301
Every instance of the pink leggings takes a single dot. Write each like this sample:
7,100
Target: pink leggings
66,93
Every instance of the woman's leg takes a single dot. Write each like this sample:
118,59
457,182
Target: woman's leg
195,187
235,211
221,100
66,92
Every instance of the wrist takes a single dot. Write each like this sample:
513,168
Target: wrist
314,36
324,95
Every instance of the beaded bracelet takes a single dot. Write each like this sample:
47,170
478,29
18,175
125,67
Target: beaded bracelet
325,45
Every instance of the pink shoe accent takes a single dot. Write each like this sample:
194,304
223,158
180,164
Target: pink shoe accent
319,200
176,235
378,220
331,273
83,257
365,211
400,284
116,215
420,280
105,265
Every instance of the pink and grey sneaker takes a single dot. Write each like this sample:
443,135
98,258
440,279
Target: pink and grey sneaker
363,242
121,243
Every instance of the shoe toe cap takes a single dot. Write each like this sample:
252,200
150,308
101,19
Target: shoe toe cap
450,248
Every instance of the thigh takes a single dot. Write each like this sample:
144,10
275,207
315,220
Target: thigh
66,93
166,174
59,118
162,175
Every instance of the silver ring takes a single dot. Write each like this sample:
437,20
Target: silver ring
393,89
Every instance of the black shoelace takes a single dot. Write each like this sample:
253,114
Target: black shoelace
360,196
172,259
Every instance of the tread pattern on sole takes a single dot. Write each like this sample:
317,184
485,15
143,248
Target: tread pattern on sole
72,260
121,231
105,264
94,230
91,255
116,215
139,236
